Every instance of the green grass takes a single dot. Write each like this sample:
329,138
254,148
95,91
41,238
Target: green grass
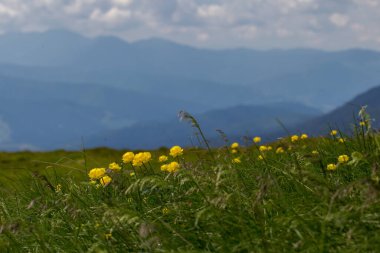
286,202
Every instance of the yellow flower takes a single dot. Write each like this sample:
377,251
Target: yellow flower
260,157
269,148
128,157
96,173
331,166
173,167
165,210
234,151
235,145
341,140
315,152
114,167
257,139
304,136
164,167
280,150
362,123
176,151
58,188
105,180
162,158
333,132
263,148
294,138
141,158
343,158
236,160
108,236
132,174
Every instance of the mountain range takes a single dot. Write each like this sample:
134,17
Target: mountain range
58,87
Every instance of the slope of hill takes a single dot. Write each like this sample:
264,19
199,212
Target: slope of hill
235,121
344,116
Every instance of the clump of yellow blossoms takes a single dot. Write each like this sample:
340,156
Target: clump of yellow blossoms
315,152
96,173
105,180
165,210
343,158
235,145
304,136
114,167
128,157
162,158
257,139
171,167
341,140
280,150
58,188
263,148
234,151
260,157
294,138
236,160
141,158
333,132
108,236
331,166
176,151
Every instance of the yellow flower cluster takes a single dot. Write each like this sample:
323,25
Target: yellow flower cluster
331,166
280,150
96,173
99,174
114,167
176,151
140,158
294,138
236,160
128,157
257,139
163,158
234,145
105,180
171,167
343,158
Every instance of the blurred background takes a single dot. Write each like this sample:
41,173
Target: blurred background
115,73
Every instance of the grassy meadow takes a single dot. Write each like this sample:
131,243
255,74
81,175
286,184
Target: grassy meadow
299,194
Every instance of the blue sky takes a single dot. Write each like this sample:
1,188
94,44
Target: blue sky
327,24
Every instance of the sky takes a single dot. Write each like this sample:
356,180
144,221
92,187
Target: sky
261,24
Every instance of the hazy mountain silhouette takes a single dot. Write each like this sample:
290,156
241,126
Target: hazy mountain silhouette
345,116
234,121
59,79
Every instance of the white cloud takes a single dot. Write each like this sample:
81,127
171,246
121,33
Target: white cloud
217,23
339,20
114,15
122,2
6,11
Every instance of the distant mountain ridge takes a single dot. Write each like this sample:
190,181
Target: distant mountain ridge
303,75
234,121
67,86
